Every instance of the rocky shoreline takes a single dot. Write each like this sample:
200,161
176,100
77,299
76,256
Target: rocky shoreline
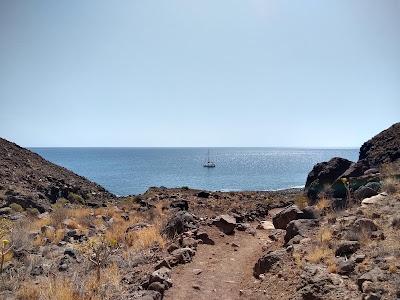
64,237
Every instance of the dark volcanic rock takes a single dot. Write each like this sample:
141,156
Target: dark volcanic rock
181,204
225,223
266,262
34,182
179,223
299,227
281,219
364,192
382,148
347,248
203,194
324,174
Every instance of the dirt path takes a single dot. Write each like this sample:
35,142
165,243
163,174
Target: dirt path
225,269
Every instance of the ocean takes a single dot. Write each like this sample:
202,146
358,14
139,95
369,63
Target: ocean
127,171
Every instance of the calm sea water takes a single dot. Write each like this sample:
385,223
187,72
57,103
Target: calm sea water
126,171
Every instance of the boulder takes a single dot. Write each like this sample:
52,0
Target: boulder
374,275
299,227
382,148
205,238
373,200
325,174
265,225
346,248
267,261
225,223
281,219
180,204
345,266
310,212
157,286
356,169
183,255
364,224
203,194
162,275
179,223
364,192
146,295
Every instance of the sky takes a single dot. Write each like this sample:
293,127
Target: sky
198,73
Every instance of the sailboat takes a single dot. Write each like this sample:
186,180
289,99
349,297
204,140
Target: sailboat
209,163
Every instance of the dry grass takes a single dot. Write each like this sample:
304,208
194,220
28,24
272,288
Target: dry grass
298,259
301,201
320,254
331,265
58,215
390,185
5,227
323,204
145,238
325,235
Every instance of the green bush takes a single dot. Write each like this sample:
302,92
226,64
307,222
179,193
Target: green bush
16,207
75,198
33,211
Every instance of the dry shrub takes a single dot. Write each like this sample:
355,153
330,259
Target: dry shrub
392,268
145,238
37,224
323,204
28,291
84,216
298,259
301,201
332,266
390,169
320,254
390,185
5,227
325,235
55,236
110,283
20,236
58,215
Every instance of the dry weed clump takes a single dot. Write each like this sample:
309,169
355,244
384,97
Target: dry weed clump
323,204
322,252
390,185
145,238
301,201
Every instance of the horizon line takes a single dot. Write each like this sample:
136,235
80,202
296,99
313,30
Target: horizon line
193,147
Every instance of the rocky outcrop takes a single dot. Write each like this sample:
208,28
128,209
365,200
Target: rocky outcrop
382,148
33,182
324,174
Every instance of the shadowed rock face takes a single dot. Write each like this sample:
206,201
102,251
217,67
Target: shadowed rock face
324,174
382,148
31,181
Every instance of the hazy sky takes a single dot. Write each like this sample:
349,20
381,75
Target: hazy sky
198,73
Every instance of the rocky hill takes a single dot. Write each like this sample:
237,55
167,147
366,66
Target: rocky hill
33,182
382,148
378,152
